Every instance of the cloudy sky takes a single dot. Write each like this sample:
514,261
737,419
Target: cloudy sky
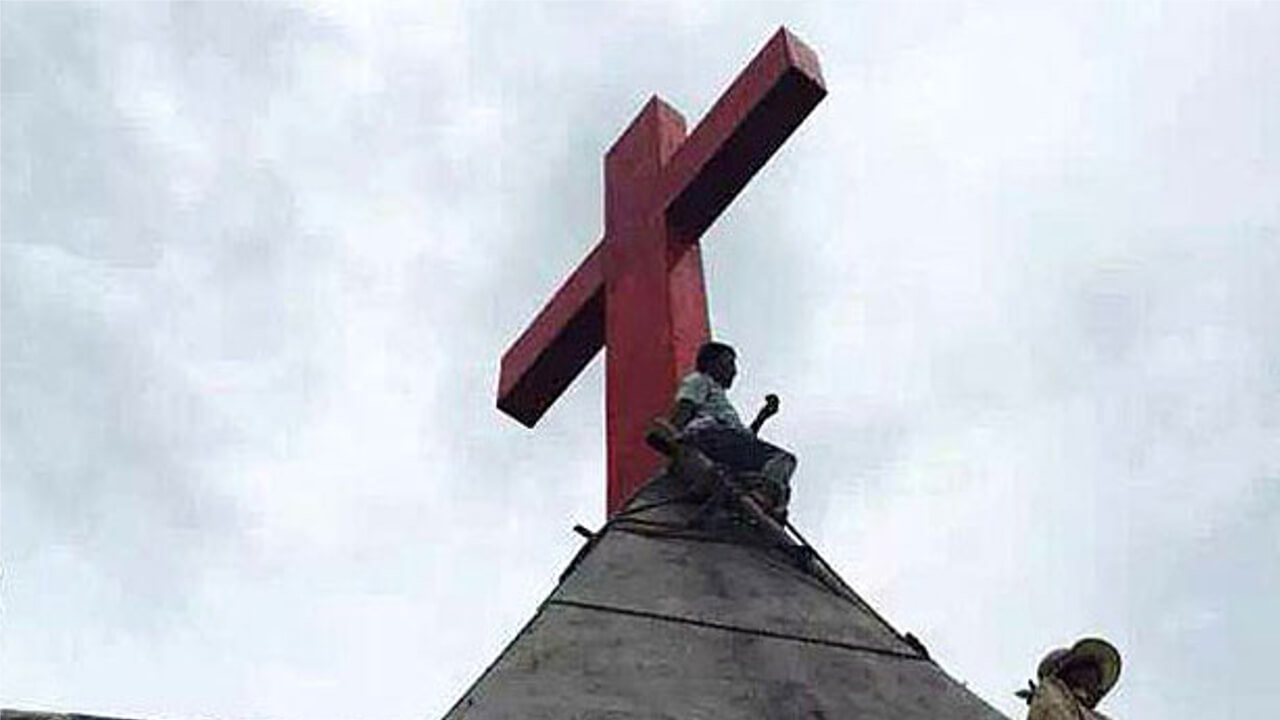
1015,281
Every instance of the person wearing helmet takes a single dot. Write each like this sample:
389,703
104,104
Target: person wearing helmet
1072,681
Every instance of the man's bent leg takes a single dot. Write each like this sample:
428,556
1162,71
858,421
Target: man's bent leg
777,470
743,451
738,449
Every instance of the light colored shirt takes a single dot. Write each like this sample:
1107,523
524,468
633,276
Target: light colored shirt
1054,701
711,406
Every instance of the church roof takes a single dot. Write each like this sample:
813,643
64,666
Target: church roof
655,620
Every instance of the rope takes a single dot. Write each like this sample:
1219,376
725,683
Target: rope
663,531
810,562
683,497
757,632
729,491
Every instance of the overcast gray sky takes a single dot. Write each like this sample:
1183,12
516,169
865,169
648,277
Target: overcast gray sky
1016,281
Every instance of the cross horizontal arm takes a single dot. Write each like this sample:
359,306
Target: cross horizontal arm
567,333
763,106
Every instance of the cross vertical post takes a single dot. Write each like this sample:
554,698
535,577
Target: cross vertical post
654,319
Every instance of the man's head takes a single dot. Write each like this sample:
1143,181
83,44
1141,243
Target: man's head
718,360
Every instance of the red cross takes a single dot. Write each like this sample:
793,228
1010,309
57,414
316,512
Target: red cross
640,292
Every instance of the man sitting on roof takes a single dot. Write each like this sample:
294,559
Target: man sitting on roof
710,423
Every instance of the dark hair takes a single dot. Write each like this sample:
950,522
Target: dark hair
710,352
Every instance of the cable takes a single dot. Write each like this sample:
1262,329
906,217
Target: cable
809,561
735,628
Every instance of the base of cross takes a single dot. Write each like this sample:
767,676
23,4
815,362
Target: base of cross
715,483
749,495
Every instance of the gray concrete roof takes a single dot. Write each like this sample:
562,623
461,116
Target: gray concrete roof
653,620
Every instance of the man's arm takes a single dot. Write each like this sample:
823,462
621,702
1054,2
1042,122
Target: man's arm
769,410
683,413
692,392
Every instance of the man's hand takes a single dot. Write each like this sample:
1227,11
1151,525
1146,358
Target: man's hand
771,404
1028,693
